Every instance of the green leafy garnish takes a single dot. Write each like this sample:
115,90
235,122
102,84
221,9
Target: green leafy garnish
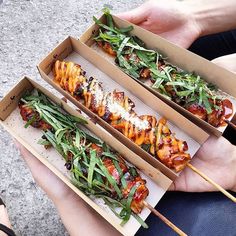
85,163
173,83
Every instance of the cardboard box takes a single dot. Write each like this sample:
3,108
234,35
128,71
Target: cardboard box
13,123
184,59
113,78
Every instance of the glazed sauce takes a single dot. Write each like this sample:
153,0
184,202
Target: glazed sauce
227,108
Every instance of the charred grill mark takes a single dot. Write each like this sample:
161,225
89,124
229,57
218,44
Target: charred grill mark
141,192
117,109
215,111
27,113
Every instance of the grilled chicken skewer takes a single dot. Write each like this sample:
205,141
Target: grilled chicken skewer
118,110
186,89
28,113
119,182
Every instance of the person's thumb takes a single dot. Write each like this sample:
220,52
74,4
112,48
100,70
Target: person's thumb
135,16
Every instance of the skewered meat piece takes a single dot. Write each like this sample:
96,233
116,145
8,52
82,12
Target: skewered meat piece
170,150
218,116
140,194
198,110
118,110
141,191
186,89
29,115
107,47
145,73
70,76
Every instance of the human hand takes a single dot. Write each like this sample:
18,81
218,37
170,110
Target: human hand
173,20
217,159
72,209
228,62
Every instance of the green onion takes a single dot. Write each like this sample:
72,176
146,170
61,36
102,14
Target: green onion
95,168
43,142
92,164
110,178
125,30
128,204
123,44
29,122
157,83
139,219
87,170
109,154
123,181
92,139
187,87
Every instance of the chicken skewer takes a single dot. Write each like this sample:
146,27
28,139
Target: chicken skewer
96,169
186,89
117,109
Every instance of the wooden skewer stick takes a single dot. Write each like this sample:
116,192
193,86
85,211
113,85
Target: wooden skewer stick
231,124
164,219
217,186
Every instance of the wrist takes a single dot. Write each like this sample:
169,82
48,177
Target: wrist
212,16
67,198
188,8
199,14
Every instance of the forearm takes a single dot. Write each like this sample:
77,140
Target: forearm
212,16
81,219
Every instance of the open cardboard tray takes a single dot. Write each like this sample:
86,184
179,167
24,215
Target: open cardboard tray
11,120
184,59
112,78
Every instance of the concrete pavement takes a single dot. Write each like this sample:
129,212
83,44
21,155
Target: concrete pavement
29,29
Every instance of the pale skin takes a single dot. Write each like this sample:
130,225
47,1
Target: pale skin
78,217
182,23
4,219
73,209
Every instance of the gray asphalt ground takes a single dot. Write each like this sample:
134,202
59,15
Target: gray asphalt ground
29,29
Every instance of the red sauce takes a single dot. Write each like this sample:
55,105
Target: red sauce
227,108
217,117
227,111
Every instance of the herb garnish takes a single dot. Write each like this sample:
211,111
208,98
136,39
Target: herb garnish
175,84
89,173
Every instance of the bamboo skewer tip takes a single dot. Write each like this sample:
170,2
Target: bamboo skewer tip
164,219
209,180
